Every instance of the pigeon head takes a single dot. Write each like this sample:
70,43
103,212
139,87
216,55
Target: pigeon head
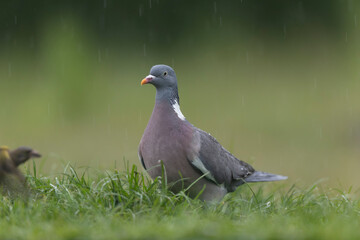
161,76
164,79
22,154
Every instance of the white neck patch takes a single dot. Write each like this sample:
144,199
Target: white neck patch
177,110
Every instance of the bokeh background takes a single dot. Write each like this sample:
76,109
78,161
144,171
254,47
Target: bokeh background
276,82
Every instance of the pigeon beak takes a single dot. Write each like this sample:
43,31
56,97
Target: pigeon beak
147,79
35,154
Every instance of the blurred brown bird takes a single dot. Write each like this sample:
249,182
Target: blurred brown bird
12,181
22,154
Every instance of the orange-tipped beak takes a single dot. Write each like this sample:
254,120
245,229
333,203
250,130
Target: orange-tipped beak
144,81
147,79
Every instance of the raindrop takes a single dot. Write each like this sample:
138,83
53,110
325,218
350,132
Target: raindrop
62,116
15,19
126,133
150,3
260,138
109,128
220,21
32,42
215,9
242,100
99,55
9,70
140,10
48,109
105,3
301,7
350,6
144,50
355,20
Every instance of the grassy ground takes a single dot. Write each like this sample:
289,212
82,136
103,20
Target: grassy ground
128,205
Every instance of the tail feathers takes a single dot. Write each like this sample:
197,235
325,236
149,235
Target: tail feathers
258,176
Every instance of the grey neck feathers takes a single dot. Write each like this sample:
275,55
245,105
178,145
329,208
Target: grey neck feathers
168,93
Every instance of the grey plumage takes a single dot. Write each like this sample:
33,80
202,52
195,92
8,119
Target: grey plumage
188,153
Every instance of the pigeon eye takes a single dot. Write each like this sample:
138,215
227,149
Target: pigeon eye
165,73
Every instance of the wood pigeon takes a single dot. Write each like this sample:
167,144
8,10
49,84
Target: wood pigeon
191,158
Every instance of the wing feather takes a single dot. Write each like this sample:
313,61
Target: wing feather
219,165
141,158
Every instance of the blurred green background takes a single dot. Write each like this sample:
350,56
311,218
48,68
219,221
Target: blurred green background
276,82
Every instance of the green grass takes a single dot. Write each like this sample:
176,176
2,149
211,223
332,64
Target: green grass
129,205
